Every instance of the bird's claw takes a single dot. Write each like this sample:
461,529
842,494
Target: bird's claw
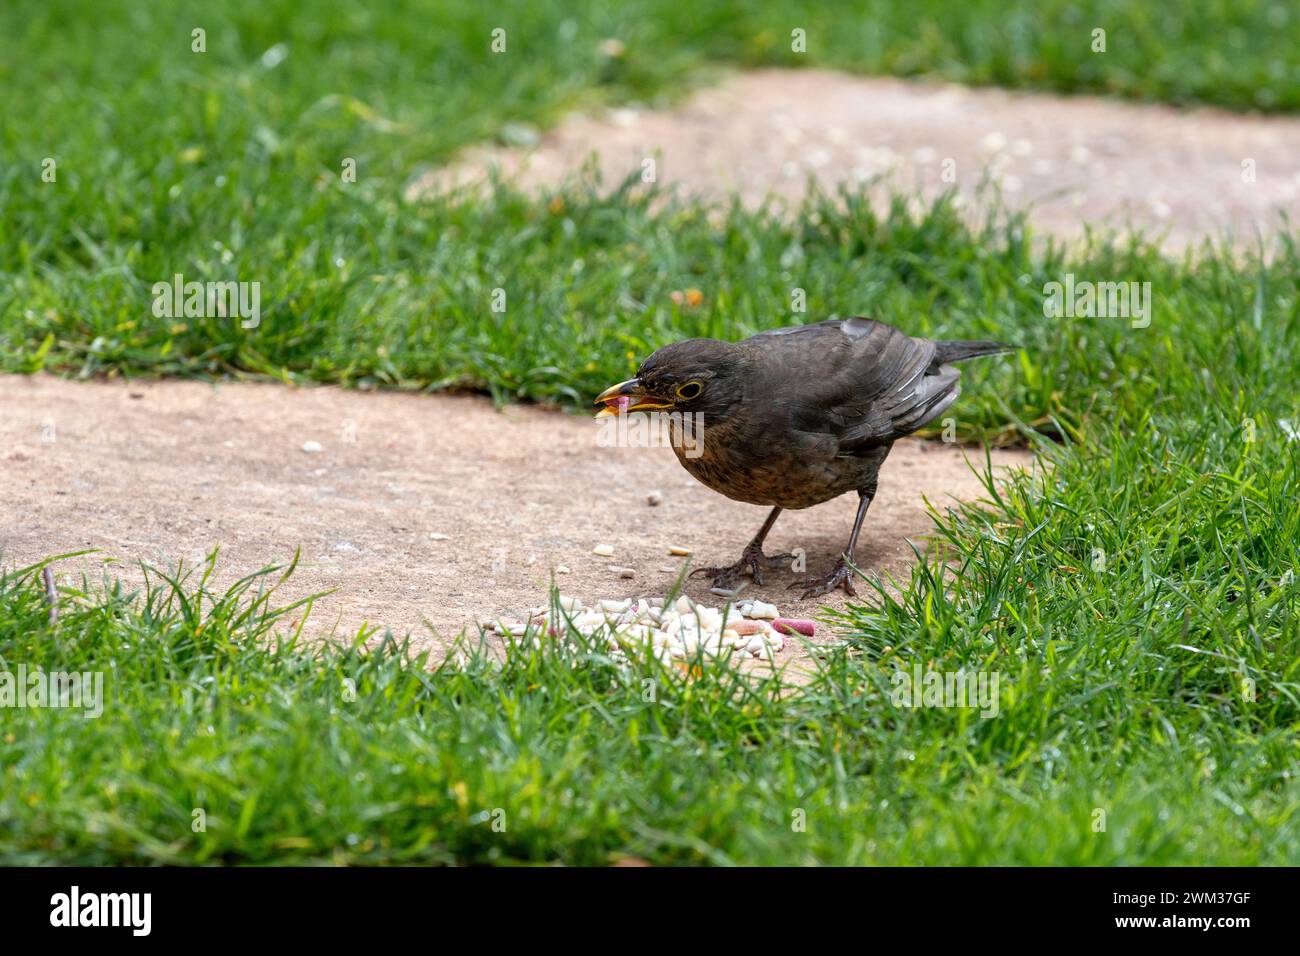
751,562
840,576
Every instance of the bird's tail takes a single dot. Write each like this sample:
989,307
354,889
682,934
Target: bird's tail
957,350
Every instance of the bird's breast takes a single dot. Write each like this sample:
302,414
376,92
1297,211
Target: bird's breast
762,467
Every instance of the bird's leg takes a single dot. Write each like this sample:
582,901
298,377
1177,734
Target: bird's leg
841,575
752,560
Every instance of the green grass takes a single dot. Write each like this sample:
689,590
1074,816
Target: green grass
226,165
1172,448
1124,680
1109,702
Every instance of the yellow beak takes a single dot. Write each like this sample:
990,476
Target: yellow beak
637,400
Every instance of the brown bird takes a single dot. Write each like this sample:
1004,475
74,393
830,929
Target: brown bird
794,417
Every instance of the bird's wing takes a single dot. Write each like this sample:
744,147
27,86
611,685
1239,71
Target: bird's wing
863,382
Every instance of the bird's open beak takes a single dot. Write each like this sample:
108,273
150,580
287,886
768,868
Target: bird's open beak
626,396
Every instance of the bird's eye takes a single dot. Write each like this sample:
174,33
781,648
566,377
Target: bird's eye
689,390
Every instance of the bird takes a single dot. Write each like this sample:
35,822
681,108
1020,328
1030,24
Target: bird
793,417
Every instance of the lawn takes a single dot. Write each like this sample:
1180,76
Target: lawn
229,164
1140,605
1140,609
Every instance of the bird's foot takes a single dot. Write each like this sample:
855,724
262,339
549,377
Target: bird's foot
752,562
840,576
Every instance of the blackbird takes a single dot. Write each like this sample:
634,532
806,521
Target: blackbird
796,416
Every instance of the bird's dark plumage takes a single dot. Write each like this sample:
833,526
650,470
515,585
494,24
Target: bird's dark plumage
797,416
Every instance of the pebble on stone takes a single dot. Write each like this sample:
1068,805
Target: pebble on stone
729,592
681,631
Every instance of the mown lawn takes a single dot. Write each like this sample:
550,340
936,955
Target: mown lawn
1140,608
228,164
1140,605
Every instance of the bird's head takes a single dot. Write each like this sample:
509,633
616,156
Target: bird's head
695,376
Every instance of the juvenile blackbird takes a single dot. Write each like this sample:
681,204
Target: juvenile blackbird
794,417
